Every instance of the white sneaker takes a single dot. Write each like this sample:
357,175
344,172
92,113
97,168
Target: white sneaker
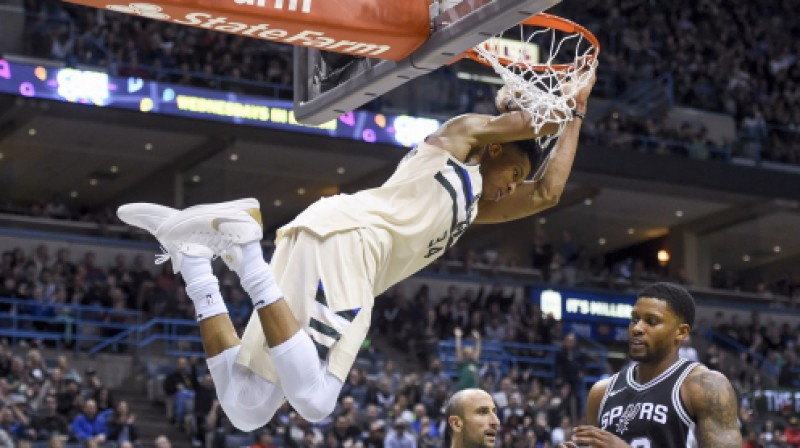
202,231
150,217
222,228
145,215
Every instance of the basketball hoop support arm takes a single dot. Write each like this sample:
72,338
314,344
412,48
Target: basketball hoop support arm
376,77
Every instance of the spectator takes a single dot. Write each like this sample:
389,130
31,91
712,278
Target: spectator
400,436
92,386
571,367
264,441
687,350
162,441
371,415
121,424
5,439
563,432
89,426
53,442
429,436
790,371
204,399
18,376
422,425
215,425
376,435
14,421
68,373
239,307
103,398
542,253
356,387
349,409
66,398
792,433
436,375
345,431
300,433
383,396
467,358
48,422
503,396
178,388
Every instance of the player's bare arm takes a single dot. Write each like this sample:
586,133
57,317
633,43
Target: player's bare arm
533,197
462,134
712,403
593,400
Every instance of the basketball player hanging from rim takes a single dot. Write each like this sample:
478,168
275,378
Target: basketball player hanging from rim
311,316
660,400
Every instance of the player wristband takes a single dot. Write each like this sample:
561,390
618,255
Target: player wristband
576,114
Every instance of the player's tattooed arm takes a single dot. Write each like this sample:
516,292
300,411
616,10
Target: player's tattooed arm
714,405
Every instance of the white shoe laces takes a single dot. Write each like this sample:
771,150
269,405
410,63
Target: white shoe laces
217,242
163,257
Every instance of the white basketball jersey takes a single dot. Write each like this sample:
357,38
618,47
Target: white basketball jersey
415,216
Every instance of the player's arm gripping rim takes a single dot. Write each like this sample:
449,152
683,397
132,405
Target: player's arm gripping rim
714,406
532,197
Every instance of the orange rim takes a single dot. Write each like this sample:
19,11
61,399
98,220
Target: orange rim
546,21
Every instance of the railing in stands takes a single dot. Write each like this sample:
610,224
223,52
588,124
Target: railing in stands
650,144
94,329
173,335
539,359
65,326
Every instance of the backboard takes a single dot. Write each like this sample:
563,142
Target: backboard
329,84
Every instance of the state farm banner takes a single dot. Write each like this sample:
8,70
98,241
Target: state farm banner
372,28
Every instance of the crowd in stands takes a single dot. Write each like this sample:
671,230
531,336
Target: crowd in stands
771,348
383,403
740,59
50,401
127,45
49,280
560,260
744,63
557,260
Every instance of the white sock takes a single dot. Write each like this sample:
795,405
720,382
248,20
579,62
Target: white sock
202,287
256,276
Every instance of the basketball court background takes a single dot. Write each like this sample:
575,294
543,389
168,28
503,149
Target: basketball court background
735,216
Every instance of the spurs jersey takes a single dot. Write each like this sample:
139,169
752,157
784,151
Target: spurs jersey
413,218
648,415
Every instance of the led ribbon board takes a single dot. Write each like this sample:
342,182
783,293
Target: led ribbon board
97,89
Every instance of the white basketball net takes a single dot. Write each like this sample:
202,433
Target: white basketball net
547,93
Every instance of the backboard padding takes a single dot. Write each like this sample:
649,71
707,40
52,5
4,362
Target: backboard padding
470,23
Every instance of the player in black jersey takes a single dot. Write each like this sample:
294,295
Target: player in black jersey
660,400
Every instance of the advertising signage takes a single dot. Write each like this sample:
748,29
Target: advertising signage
776,400
98,89
572,305
596,315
